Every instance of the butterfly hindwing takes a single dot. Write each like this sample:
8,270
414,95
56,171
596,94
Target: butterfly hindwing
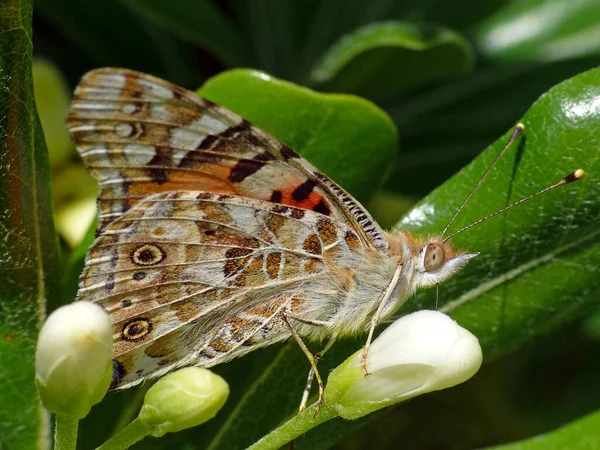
140,135
199,278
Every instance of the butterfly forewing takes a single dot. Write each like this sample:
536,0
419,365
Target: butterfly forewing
140,135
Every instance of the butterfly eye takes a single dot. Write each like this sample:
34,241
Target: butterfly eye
434,258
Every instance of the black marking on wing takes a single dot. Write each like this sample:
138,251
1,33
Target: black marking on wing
246,167
355,209
276,197
322,208
302,192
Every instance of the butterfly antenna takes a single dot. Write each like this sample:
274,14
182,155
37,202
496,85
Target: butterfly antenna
513,137
566,180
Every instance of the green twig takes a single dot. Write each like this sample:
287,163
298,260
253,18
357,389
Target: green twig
65,434
132,433
293,428
131,408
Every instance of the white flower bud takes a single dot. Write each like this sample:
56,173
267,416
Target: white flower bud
183,399
422,352
73,359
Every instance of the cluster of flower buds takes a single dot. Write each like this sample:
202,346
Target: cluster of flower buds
419,353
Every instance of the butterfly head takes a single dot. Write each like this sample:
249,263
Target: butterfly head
430,261
435,261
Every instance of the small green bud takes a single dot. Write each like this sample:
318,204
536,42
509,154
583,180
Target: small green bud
73,359
422,352
183,399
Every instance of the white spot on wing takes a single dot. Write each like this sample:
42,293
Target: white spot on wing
91,105
153,91
208,125
123,129
110,79
158,112
139,154
128,108
184,138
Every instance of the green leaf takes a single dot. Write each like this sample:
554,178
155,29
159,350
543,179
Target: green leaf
346,137
74,265
541,30
445,127
200,22
52,99
580,434
538,267
385,58
28,251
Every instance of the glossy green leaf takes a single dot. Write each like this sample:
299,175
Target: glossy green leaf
538,264
28,252
383,59
52,100
445,127
290,37
200,22
346,137
581,434
541,30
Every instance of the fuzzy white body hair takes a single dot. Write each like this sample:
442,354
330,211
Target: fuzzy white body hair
347,300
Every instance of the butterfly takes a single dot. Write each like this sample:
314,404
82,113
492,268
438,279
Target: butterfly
216,239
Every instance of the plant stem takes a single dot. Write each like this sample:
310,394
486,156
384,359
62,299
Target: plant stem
131,408
132,433
293,428
65,432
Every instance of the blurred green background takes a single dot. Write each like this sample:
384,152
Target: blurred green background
453,77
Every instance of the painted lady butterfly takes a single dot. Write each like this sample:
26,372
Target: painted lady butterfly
216,239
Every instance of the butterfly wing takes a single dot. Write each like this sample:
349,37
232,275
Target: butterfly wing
140,135
200,278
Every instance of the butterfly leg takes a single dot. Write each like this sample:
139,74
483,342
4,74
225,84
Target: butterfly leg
311,375
311,359
374,322
377,317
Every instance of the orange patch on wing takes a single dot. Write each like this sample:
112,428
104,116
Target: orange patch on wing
185,181
220,345
312,244
186,310
310,202
311,266
236,260
275,222
326,230
253,274
352,240
265,309
240,328
273,262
